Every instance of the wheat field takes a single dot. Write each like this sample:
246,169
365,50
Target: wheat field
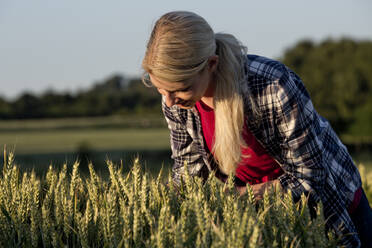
136,210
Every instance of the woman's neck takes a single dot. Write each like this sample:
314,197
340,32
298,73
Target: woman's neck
208,101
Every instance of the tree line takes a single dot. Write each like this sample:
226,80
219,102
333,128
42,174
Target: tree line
114,96
337,74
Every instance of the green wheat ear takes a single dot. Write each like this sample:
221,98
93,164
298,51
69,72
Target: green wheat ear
136,210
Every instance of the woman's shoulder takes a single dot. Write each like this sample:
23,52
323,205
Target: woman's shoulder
265,78
262,74
264,68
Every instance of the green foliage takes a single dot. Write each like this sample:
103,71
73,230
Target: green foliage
363,120
338,75
5,109
115,95
136,210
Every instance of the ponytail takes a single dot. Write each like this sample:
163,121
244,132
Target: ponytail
228,102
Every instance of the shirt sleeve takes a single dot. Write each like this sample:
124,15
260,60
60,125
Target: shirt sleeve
304,161
299,129
185,150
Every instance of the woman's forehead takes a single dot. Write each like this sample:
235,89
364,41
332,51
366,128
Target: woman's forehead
169,86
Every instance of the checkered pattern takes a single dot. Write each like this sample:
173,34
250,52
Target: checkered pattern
282,118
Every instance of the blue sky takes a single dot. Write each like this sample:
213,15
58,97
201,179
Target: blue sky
70,45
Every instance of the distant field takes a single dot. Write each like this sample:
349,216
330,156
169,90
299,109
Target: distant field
68,135
143,121
41,141
26,142
38,143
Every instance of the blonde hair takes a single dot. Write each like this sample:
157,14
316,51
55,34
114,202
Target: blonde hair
179,47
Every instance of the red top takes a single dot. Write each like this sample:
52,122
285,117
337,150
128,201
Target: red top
256,165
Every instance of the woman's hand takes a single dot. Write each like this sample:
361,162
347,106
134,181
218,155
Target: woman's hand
259,189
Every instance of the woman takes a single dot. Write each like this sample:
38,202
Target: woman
251,116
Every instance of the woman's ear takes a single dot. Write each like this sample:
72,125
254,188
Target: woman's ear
213,63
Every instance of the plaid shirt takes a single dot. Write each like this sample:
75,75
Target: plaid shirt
282,118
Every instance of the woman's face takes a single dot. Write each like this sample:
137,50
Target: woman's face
186,94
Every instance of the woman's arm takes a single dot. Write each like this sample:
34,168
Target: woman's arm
299,133
184,147
308,152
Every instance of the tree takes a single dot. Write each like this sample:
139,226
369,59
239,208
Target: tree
27,106
5,109
337,75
